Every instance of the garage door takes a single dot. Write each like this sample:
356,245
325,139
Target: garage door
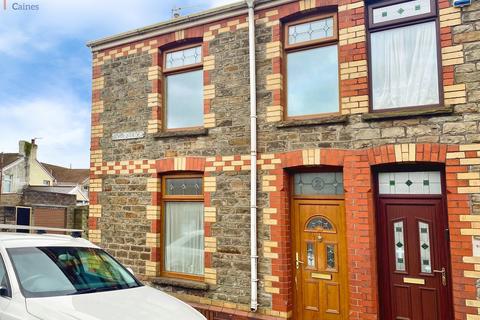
49,217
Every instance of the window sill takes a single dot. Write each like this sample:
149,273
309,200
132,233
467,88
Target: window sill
313,122
182,283
181,133
407,113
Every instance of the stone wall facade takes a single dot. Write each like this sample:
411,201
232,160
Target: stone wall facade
125,181
7,207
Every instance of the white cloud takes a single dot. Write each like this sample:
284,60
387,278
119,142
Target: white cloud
29,32
35,41
217,3
23,33
41,30
58,118
10,42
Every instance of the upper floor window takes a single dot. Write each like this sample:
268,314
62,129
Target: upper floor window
7,183
404,53
183,243
312,85
183,87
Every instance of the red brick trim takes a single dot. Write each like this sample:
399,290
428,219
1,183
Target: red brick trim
92,223
167,165
360,217
93,196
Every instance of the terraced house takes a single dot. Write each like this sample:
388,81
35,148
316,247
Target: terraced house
285,159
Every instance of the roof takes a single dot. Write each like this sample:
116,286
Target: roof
188,21
71,190
9,158
64,175
17,240
54,189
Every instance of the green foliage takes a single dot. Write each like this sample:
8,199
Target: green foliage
27,148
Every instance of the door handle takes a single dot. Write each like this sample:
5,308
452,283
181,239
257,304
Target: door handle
297,261
443,272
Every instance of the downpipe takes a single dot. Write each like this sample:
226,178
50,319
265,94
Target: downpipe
253,157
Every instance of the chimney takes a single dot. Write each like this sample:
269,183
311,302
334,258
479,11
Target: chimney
29,151
22,147
33,151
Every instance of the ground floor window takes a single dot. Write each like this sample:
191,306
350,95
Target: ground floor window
183,231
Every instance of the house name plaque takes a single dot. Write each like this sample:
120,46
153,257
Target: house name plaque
128,135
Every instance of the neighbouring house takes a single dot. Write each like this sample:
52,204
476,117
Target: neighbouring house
28,194
367,149
71,181
23,168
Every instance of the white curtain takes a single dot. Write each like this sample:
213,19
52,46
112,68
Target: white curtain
404,66
184,239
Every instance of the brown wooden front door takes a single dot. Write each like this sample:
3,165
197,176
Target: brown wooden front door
320,259
413,258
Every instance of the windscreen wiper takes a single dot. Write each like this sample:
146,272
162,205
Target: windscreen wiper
93,290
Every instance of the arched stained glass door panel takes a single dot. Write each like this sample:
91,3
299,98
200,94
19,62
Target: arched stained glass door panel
318,224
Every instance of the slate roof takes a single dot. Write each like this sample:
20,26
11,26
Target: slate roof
9,158
64,175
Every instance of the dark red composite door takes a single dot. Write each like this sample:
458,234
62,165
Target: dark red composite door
413,259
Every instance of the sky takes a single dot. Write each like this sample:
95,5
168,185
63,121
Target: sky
45,68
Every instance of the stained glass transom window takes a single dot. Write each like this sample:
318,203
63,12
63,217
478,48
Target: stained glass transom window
319,183
309,31
427,182
425,256
187,186
401,10
319,224
183,58
331,264
399,237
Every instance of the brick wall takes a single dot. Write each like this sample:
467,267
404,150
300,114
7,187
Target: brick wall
125,175
32,198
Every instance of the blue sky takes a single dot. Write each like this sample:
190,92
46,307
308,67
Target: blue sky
45,68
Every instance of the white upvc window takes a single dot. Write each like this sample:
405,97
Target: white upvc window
7,185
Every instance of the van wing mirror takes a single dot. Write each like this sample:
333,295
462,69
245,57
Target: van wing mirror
3,291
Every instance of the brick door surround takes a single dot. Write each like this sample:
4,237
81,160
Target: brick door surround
360,217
